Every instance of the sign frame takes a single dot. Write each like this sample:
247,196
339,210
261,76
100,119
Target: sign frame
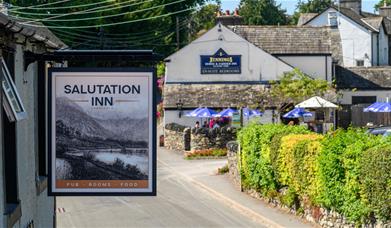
50,129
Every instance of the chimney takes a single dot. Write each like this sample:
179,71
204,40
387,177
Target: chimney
351,4
236,12
385,10
228,19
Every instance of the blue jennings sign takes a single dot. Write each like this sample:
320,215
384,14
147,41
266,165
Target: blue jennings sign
221,63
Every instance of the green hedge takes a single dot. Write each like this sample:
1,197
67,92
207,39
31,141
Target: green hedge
347,171
255,141
375,176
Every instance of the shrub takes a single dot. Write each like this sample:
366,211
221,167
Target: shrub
255,140
223,170
339,172
206,153
375,177
297,164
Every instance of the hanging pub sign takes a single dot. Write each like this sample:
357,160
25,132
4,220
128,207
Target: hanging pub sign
221,63
102,131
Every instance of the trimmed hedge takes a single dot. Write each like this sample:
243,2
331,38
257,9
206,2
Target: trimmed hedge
297,166
256,168
347,171
375,176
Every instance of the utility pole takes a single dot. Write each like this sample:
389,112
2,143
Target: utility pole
101,34
177,33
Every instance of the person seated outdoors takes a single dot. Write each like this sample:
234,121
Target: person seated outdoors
197,124
205,125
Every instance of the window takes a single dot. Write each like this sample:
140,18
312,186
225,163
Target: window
363,100
333,20
12,206
12,104
360,62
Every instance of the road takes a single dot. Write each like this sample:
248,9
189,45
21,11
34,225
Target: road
190,194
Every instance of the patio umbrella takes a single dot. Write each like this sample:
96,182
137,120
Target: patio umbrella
249,112
373,107
379,107
316,102
297,113
205,112
226,112
192,113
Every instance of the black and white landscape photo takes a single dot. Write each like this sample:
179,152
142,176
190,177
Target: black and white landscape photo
102,130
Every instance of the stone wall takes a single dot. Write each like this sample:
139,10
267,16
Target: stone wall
206,138
233,165
176,137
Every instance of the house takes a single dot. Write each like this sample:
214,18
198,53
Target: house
23,169
363,74
364,36
219,69
311,49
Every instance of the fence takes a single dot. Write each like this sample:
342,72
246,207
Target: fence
361,118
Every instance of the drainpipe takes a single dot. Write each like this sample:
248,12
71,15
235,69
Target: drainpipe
378,49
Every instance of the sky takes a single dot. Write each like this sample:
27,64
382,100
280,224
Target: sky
290,5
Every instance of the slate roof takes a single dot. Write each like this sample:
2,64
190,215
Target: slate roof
363,78
374,22
288,39
304,17
216,95
41,34
368,20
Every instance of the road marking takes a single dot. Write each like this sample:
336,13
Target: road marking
231,203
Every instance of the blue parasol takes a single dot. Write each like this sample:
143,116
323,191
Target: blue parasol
205,112
193,113
226,112
249,112
379,107
297,113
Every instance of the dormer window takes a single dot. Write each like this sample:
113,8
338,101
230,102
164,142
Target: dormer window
333,20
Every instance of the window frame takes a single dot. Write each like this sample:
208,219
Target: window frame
8,106
361,61
331,17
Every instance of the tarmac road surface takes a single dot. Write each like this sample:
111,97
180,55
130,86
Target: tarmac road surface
190,194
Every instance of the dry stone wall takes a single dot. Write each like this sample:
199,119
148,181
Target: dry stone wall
181,138
176,137
206,138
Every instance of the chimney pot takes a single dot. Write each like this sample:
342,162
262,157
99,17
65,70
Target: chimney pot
236,13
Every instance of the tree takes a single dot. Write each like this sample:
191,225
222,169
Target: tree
203,20
158,32
381,3
295,86
310,6
262,12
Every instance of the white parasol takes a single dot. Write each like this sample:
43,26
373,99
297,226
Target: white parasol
316,102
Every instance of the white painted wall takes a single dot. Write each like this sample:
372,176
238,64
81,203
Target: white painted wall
356,40
35,207
315,66
256,64
380,94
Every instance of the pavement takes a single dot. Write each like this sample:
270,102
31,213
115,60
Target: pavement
190,194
